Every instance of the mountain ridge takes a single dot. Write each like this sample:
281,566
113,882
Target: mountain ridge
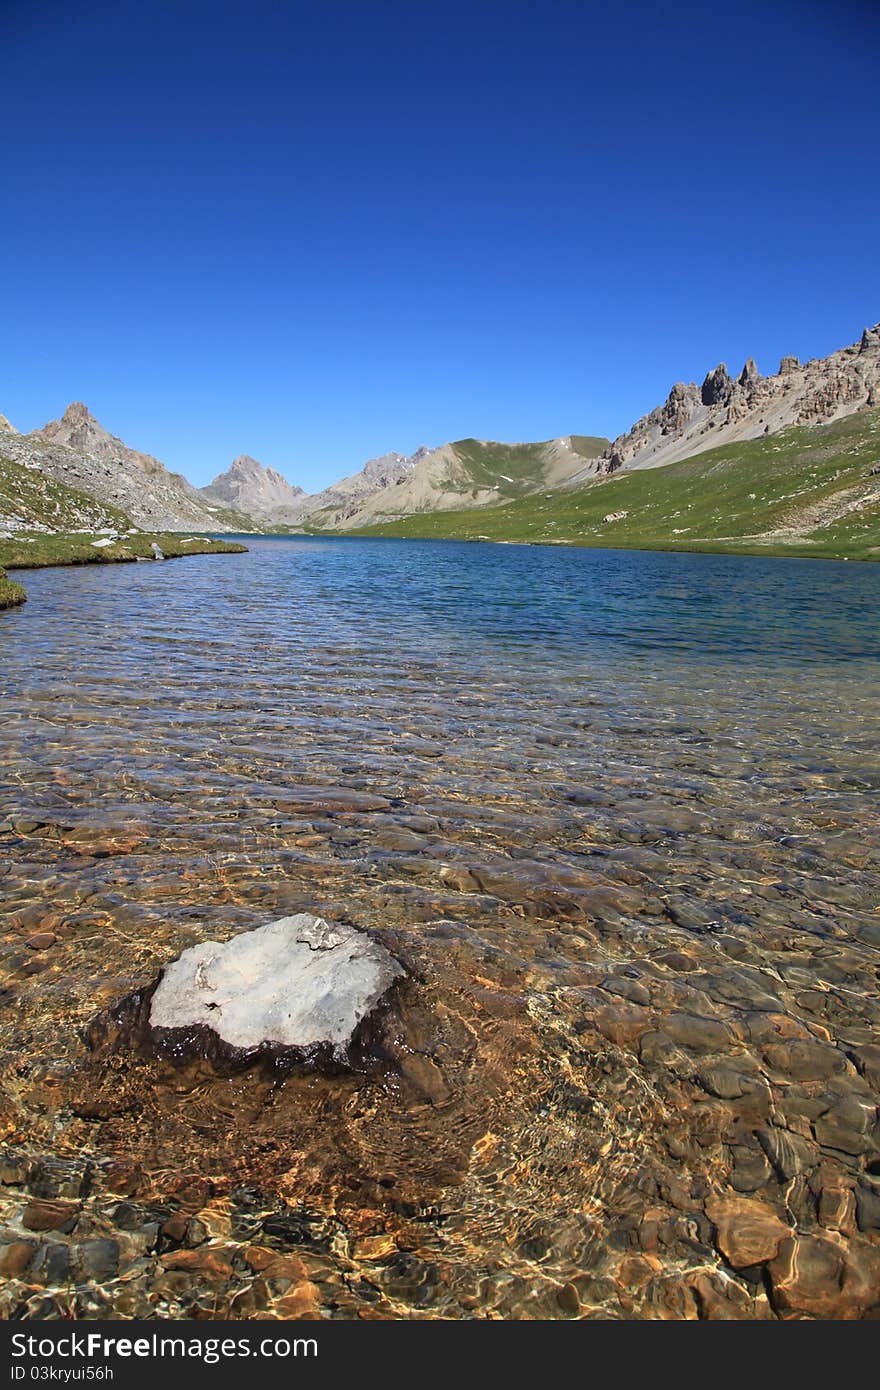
78,452
725,409
466,474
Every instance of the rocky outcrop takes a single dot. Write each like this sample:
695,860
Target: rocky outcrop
678,409
717,387
724,410
77,451
870,340
258,492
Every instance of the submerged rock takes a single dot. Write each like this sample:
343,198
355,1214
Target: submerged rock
295,983
296,990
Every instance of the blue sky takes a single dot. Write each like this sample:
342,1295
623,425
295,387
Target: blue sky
317,232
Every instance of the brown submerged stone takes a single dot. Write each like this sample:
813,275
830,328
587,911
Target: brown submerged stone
207,1263
16,1257
748,1231
815,1276
41,941
50,1216
329,800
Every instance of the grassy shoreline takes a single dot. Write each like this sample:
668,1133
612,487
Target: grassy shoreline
39,550
11,594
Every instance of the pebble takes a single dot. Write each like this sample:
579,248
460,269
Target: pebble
41,941
206,1262
50,1216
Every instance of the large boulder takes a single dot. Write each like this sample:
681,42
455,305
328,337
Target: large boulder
299,990
297,983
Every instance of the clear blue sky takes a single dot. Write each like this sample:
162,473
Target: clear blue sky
316,232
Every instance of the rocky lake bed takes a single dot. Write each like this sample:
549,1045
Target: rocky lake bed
614,819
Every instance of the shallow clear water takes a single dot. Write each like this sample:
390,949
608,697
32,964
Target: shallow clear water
600,793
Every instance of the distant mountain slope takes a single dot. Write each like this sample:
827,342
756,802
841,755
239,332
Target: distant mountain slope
808,490
723,410
31,501
468,473
78,452
388,470
259,492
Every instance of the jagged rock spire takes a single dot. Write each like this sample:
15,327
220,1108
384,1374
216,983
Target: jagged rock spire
717,387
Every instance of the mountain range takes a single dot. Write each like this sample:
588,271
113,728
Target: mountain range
76,454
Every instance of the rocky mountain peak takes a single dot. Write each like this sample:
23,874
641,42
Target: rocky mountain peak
717,387
789,365
381,470
246,466
749,374
7,425
257,491
679,407
78,414
79,429
870,340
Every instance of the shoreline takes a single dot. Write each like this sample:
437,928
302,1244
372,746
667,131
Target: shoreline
46,550
746,552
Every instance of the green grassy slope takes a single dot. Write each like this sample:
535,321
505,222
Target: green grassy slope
479,467
804,491
511,468
514,470
589,446
28,495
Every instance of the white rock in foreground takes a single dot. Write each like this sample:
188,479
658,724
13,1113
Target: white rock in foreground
296,982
